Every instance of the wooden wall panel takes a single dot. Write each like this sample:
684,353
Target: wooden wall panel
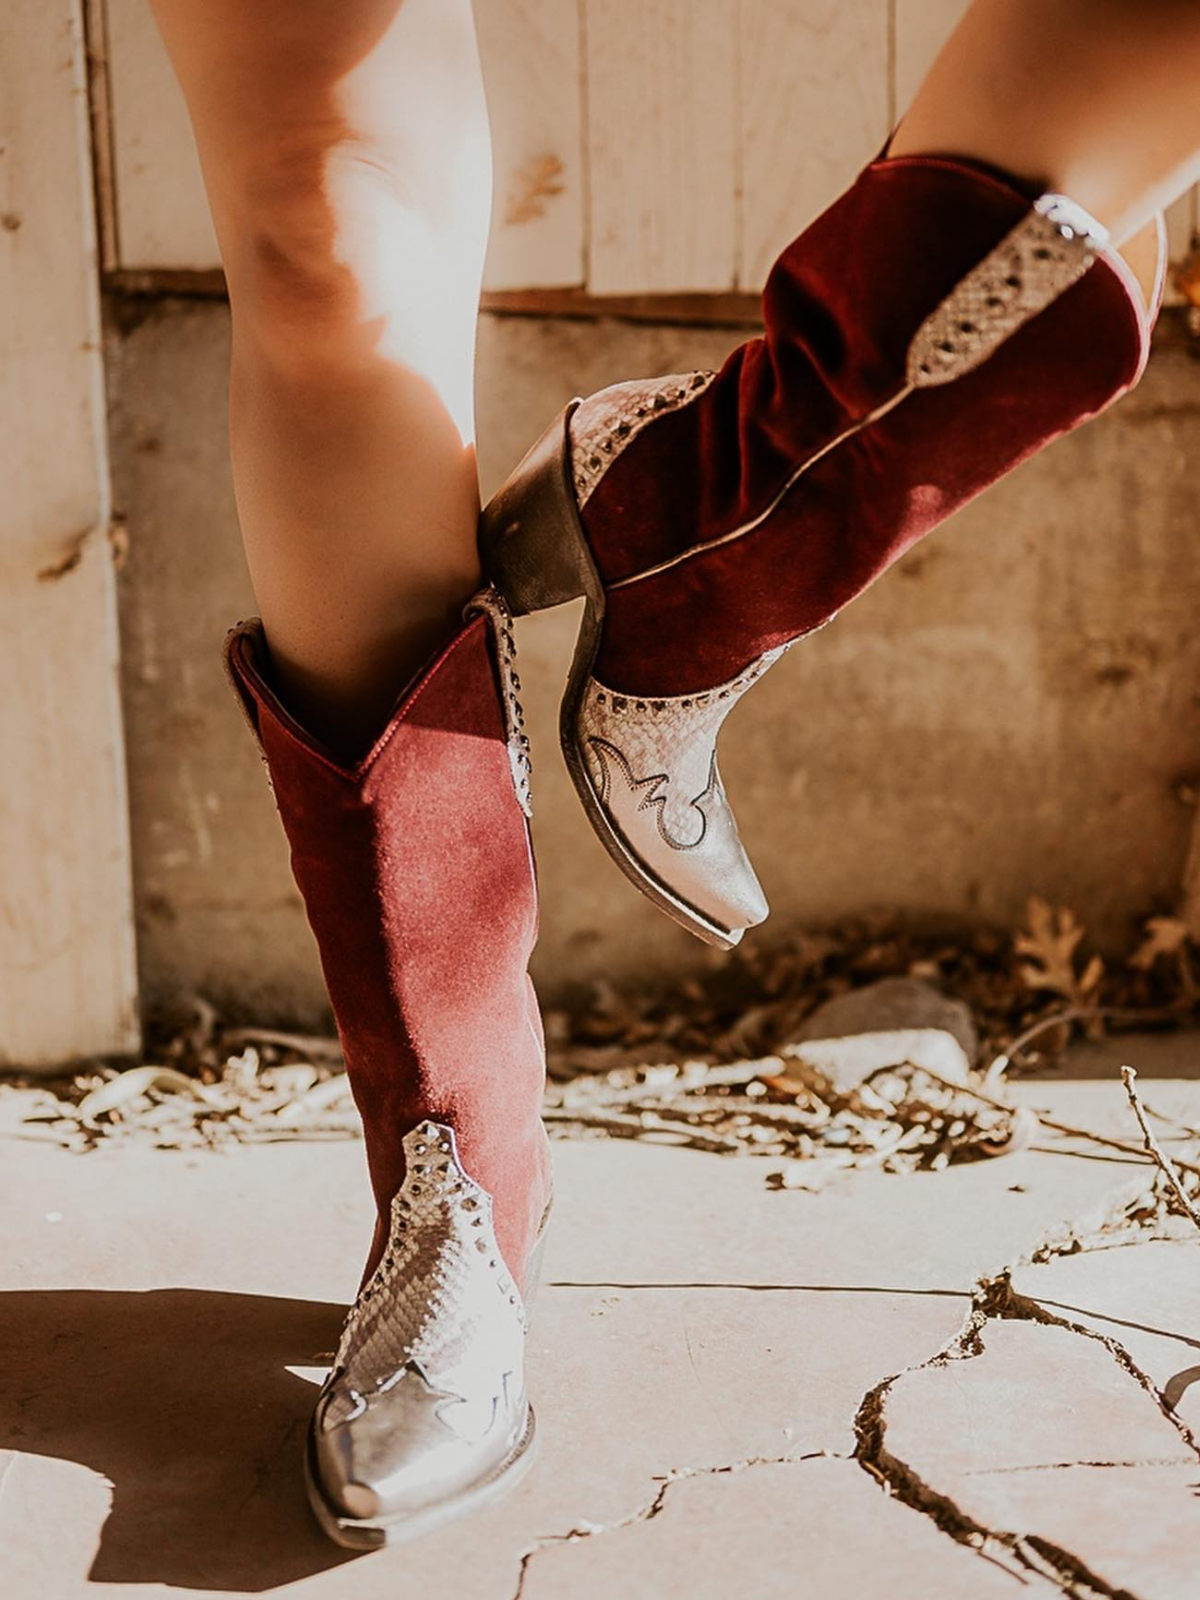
715,130
533,72
531,59
161,214
814,108
67,970
921,29
661,128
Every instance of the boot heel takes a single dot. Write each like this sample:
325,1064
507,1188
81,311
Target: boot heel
531,542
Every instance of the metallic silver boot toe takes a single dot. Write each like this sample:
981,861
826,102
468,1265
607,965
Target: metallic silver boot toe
424,1414
647,773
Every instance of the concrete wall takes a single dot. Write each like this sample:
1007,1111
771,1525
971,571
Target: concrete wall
1015,708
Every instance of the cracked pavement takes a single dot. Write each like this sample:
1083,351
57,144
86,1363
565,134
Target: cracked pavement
939,1386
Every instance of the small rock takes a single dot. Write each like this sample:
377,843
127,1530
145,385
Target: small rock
885,1025
891,1004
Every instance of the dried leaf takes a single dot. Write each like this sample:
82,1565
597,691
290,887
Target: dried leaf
319,1098
1050,944
1164,936
1187,277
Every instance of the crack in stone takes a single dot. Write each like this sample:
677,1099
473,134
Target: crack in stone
1130,1218
657,1503
1001,1302
1020,1555
1060,1466
1135,1215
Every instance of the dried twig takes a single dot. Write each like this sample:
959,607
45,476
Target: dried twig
1001,1063
312,1046
1124,1145
1158,1154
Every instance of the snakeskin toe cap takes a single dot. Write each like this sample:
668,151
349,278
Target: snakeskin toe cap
652,769
425,1408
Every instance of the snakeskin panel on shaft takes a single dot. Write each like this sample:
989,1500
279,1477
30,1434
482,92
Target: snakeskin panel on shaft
1039,260
440,1298
491,604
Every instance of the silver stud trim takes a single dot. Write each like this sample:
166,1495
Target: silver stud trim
431,1300
1048,250
608,422
490,603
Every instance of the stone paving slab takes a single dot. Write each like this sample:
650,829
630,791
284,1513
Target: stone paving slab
1147,1299
163,1318
774,1532
1041,1436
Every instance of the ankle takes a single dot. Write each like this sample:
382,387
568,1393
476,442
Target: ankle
343,697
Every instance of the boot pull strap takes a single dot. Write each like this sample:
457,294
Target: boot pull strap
1049,249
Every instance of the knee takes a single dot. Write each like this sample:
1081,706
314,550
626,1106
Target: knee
318,240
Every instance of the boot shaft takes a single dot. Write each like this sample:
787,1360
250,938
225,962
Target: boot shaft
925,335
417,874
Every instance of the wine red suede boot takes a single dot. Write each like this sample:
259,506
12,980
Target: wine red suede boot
417,875
927,333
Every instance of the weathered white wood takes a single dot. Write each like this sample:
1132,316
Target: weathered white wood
814,109
67,970
662,136
531,60
533,76
162,214
922,28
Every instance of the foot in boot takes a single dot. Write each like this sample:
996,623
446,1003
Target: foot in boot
424,1414
417,875
927,333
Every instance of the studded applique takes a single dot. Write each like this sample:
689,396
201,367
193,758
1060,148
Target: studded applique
440,1300
607,422
1043,256
490,603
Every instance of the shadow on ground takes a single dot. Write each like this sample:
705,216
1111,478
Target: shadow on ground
183,1400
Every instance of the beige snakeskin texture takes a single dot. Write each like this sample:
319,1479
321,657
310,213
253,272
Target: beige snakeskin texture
1042,257
441,1297
490,603
607,422
662,749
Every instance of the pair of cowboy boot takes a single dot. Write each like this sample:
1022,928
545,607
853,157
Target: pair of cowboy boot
932,329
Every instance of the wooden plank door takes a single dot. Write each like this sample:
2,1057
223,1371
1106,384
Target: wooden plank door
67,969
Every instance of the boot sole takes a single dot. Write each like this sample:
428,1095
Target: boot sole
534,550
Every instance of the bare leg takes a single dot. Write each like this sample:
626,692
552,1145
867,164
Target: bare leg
345,150
1098,99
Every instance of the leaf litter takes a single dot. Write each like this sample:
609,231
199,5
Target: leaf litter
708,1061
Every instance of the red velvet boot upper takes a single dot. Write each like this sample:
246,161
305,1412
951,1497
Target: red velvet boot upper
774,491
418,879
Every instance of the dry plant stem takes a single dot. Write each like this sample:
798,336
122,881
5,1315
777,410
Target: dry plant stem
1006,1058
1158,1154
634,1126
318,1047
1124,1145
